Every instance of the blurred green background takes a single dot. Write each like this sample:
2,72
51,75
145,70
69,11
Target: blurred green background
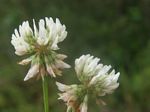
117,31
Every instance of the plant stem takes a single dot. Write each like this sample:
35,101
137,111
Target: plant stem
45,93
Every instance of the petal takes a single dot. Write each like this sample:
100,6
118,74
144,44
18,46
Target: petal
25,61
32,72
60,64
50,70
35,29
62,87
54,44
61,56
84,106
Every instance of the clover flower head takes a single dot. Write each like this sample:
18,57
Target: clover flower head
96,75
96,80
41,43
74,97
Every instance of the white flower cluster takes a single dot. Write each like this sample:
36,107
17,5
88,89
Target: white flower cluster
95,79
70,95
48,34
96,75
41,43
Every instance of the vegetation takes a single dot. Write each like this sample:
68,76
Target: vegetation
117,31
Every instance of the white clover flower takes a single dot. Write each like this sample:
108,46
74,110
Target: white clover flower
96,80
69,92
41,43
74,97
96,75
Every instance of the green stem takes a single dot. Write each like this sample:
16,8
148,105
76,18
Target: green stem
45,93
70,109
